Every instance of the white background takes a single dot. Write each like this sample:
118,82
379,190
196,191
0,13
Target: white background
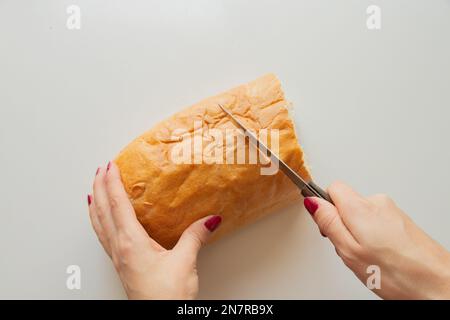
371,107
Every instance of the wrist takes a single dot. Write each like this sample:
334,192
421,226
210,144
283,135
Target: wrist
442,274
162,295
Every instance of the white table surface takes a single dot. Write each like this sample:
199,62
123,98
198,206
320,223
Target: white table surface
372,109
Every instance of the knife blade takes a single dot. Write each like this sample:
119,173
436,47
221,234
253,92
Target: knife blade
308,189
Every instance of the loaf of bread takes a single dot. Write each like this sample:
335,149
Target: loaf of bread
168,195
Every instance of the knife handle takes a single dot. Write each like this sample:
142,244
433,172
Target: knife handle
323,194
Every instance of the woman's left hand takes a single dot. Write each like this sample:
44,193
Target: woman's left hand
146,269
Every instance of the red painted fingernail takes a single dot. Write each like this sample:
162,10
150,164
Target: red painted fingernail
96,172
108,166
89,199
311,205
213,222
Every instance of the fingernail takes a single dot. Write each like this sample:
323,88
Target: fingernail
96,172
108,166
212,223
89,199
310,205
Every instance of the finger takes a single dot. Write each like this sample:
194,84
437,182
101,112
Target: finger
196,235
97,226
101,202
330,223
352,207
122,212
123,215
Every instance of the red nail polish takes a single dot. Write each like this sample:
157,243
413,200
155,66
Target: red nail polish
108,166
311,205
213,222
96,172
89,199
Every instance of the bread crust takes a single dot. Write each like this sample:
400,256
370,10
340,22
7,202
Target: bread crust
168,197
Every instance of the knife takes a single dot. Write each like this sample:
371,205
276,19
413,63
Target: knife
308,189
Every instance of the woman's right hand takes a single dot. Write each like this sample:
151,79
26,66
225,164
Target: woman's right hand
373,231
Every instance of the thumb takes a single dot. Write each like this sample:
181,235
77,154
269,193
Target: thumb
329,222
196,235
